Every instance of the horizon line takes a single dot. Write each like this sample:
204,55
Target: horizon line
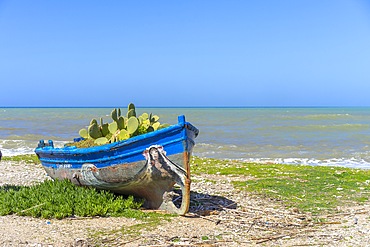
185,106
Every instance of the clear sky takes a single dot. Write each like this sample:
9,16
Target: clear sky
185,53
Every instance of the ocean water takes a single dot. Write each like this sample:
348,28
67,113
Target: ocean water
313,136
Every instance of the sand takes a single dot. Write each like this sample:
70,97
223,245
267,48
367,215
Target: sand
219,216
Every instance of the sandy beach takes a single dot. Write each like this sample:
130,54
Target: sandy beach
226,217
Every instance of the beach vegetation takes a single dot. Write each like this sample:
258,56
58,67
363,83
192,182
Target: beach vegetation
315,189
61,199
26,158
147,222
122,127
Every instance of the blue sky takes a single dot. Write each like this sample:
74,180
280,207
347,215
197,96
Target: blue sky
185,53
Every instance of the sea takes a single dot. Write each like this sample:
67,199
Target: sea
322,136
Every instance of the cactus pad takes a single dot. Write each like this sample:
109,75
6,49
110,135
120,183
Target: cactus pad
114,114
101,141
121,123
83,133
94,131
132,125
123,135
112,128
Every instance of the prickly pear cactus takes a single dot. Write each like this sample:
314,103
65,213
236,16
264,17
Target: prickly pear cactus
105,129
113,127
132,125
123,135
114,114
101,141
93,121
121,123
94,131
121,128
83,133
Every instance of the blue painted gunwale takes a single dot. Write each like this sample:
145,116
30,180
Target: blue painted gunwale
175,139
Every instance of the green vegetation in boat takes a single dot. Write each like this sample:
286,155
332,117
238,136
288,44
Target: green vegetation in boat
121,128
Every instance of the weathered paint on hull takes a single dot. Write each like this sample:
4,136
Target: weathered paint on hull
146,166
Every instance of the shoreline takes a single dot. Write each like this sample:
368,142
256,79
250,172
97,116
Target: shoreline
333,162
334,136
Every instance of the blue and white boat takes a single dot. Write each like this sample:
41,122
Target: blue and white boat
146,166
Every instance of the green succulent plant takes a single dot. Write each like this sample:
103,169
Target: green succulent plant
94,131
121,123
132,125
83,133
113,127
121,128
114,114
101,141
123,135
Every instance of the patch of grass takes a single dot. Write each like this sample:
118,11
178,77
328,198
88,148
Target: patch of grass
176,240
315,189
151,220
27,158
60,199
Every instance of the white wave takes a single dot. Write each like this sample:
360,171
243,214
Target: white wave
340,162
20,147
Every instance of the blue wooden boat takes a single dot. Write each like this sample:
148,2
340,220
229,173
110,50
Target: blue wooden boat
147,166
